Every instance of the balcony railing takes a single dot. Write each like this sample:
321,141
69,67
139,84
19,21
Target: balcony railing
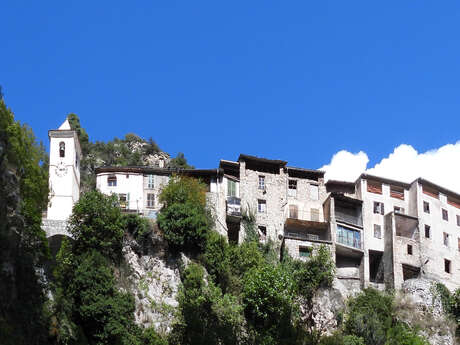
303,236
233,206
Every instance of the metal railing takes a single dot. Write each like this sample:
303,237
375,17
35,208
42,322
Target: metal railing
233,206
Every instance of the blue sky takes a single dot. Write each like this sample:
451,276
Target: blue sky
293,80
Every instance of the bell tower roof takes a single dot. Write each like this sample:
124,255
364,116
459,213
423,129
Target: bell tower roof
65,126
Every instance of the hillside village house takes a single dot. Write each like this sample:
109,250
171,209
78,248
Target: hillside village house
380,231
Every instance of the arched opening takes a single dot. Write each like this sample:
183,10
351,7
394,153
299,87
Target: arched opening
61,149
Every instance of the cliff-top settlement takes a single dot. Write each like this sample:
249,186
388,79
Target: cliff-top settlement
380,232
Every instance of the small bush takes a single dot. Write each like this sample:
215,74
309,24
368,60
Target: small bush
184,219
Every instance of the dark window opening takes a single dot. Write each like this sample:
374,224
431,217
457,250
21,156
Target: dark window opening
376,269
409,249
447,266
427,231
379,207
410,272
61,149
233,232
445,215
304,252
112,181
426,207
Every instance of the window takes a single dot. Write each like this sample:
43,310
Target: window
262,206
292,188
397,192
459,244
123,200
409,249
446,238
374,187
293,212
61,149
314,192
377,231
426,207
445,215
231,188
262,182
447,266
150,182
378,207
458,220
112,181
314,213
427,231
348,237
262,232
304,252
399,210
150,200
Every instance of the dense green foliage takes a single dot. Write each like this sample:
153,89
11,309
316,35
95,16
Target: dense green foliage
450,303
184,219
23,246
371,315
89,307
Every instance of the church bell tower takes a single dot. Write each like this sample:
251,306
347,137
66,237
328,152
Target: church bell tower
64,171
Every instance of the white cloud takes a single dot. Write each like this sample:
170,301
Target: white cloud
441,166
346,166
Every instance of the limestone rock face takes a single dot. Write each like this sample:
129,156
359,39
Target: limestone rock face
419,305
153,279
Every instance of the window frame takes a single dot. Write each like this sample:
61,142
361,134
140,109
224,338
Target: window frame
292,188
150,202
112,181
380,207
427,231
260,203
426,206
261,184
378,227
445,214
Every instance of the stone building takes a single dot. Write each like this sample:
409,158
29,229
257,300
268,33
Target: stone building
381,232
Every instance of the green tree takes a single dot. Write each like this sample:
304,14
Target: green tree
23,245
83,137
97,223
370,316
180,162
184,219
206,315
268,301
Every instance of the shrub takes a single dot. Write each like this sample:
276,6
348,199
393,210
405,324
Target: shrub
401,334
206,316
184,219
97,223
369,316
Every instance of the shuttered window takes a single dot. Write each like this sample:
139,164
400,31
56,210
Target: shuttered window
150,200
314,192
231,188
293,211
374,187
314,212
